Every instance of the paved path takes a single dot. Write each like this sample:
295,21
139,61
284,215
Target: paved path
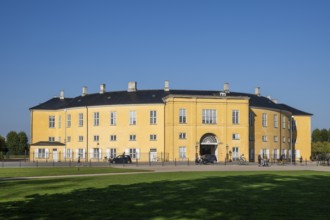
191,168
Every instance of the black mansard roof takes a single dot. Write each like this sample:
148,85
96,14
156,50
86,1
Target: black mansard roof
153,97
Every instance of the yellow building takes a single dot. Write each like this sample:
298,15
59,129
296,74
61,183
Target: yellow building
170,125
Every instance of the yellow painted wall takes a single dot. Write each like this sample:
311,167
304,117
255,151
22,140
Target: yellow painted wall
303,136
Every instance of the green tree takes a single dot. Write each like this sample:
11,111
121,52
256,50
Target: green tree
23,142
13,142
324,134
2,146
316,135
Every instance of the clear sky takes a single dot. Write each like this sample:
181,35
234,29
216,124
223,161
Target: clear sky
283,46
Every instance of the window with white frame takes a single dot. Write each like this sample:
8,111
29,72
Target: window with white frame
235,117
59,121
113,118
235,153
283,121
113,137
96,118
153,117
68,121
289,140
276,153
275,138
133,153
236,137
264,120
68,153
132,117
182,116
275,121
132,137
182,135
182,152
41,153
81,120
283,139
81,138
51,139
96,138
264,138
209,116
153,137
112,153
81,153
68,139
96,153
51,121
265,153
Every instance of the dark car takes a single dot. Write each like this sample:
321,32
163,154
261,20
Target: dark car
121,159
208,158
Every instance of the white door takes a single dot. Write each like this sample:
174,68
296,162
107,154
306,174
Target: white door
153,155
55,155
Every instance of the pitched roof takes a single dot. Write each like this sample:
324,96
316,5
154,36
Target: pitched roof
153,97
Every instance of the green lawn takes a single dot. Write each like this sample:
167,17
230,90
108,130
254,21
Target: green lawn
181,195
56,171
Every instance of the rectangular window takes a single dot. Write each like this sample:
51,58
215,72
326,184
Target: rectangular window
289,124
81,120
96,138
235,117
283,121
235,154
51,139
182,152
236,137
182,135
153,137
59,121
69,139
113,118
275,121
68,153
132,137
153,117
113,137
51,121
133,153
96,153
41,153
275,138
68,121
81,153
132,117
182,116
81,138
96,118
283,139
289,140
276,153
264,120
209,116
264,138
113,153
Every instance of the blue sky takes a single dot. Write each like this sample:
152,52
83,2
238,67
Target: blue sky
283,46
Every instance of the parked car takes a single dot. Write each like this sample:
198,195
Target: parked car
121,159
208,158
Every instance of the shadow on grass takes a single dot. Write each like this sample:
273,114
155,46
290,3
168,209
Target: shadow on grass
264,196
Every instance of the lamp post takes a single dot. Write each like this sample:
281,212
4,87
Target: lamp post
226,152
197,143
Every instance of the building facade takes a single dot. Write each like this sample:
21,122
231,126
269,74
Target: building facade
167,125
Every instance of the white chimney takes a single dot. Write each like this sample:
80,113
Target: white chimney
257,91
102,88
275,101
226,87
62,94
84,91
167,86
132,86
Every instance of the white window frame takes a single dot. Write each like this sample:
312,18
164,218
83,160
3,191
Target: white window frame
182,116
235,117
275,139
81,152
264,138
209,116
236,137
41,153
132,137
96,119
182,135
68,120
283,139
132,117
182,152
153,117
235,153
111,153
275,121
51,121
81,120
96,138
283,122
51,139
264,120
81,138
113,118
113,137
153,137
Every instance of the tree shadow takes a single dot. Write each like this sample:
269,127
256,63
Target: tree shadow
267,196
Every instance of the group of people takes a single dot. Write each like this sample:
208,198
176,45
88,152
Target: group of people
263,161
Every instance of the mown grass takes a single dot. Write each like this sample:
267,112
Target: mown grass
56,171
181,195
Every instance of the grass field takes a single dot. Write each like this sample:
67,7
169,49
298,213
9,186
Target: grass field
180,195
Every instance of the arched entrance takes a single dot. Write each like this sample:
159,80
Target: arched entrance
208,145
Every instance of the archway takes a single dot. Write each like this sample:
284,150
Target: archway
208,145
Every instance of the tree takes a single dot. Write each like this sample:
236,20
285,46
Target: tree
12,142
23,142
324,134
316,135
2,144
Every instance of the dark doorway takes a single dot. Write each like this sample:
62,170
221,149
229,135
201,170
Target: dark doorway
206,149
